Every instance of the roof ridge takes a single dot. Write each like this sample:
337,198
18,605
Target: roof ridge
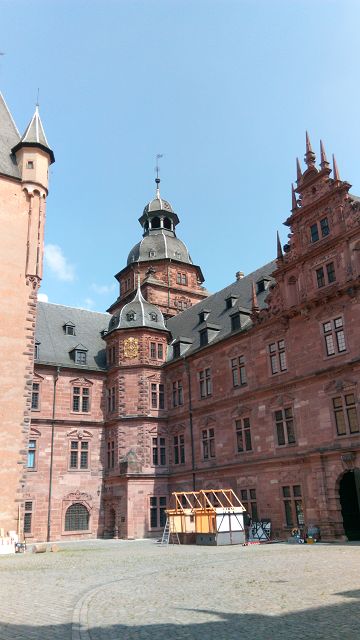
9,113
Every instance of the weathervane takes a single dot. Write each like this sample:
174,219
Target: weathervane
157,168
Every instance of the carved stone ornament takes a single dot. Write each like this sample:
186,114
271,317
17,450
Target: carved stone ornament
348,460
131,347
78,496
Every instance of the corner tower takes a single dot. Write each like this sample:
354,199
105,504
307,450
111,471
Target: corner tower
24,163
169,278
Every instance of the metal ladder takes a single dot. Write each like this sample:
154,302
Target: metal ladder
169,536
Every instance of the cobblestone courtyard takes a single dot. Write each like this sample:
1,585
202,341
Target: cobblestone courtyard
107,590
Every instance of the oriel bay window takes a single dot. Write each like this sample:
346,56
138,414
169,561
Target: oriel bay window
293,506
243,435
284,422
179,449
81,399
345,413
208,443
79,454
157,512
159,452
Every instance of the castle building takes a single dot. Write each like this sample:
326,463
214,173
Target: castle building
254,388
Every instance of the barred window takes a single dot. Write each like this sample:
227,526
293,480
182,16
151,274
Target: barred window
293,506
77,518
277,356
79,454
334,336
243,435
284,422
28,517
238,371
179,449
345,413
208,443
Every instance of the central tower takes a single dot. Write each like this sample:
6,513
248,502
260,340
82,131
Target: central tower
169,279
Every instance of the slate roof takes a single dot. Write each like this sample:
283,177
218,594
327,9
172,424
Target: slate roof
55,346
146,315
9,138
165,245
187,325
34,136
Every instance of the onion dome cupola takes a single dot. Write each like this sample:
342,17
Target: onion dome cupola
138,313
159,238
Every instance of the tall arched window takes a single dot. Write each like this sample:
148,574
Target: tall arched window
77,518
155,223
167,223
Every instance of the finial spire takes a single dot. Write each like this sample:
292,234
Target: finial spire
157,170
293,199
280,255
254,301
336,174
309,155
298,171
324,164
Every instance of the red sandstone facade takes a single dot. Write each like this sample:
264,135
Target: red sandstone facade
271,409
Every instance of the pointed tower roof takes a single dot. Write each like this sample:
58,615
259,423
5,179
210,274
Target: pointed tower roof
294,204
298,171
309,154
336,174
324,164
9,137
34,136
138,313
280,255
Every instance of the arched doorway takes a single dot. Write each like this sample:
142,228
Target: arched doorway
350,503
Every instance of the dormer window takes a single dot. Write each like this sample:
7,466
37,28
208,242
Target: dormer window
177,255
204,338
230,301
235,322
152,253
131,316
69,328
80,356
176,350
203,315
153,316
262,285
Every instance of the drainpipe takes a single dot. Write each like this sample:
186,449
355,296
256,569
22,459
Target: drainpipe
187,368
56,377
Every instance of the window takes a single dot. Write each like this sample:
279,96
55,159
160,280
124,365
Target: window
284,423
35,396
203,315
314,233
293,506
79,454
205,383
181,278
111,399
243,435
131,316
235,322
157,512
238,371
325,276
30,164
156,350
69,329
159,452
80,356
157,396
28,517
324,230
152,350
203,337
77,518
177,393
320,277
37,351
208,443
334,336
153,316
324,226
111,355
330,270
31,455
160,351
81,399
111,454
277,356
346,419
179,449
176,350
248,498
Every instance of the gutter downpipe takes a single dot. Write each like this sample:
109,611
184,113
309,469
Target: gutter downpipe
56,377
187,368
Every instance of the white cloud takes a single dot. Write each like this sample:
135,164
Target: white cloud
58,264
103,288
42,297
88,303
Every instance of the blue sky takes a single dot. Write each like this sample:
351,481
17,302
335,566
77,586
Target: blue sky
224,89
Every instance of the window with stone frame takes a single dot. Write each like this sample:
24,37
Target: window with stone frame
111,399
208,443
243,435
111,355
111,454
238,371
35,396
157,396
156,351
205,383
79,455
181,278
345,414
293,505
37,350
81,399
159,451
77,518
80,356
277,356
248,498
334,336
179,449
284,424
177,393
28,516
32,454
325,275
157,512
319,228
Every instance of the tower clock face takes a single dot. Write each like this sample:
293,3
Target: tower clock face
131,347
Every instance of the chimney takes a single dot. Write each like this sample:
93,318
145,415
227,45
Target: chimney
239,275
